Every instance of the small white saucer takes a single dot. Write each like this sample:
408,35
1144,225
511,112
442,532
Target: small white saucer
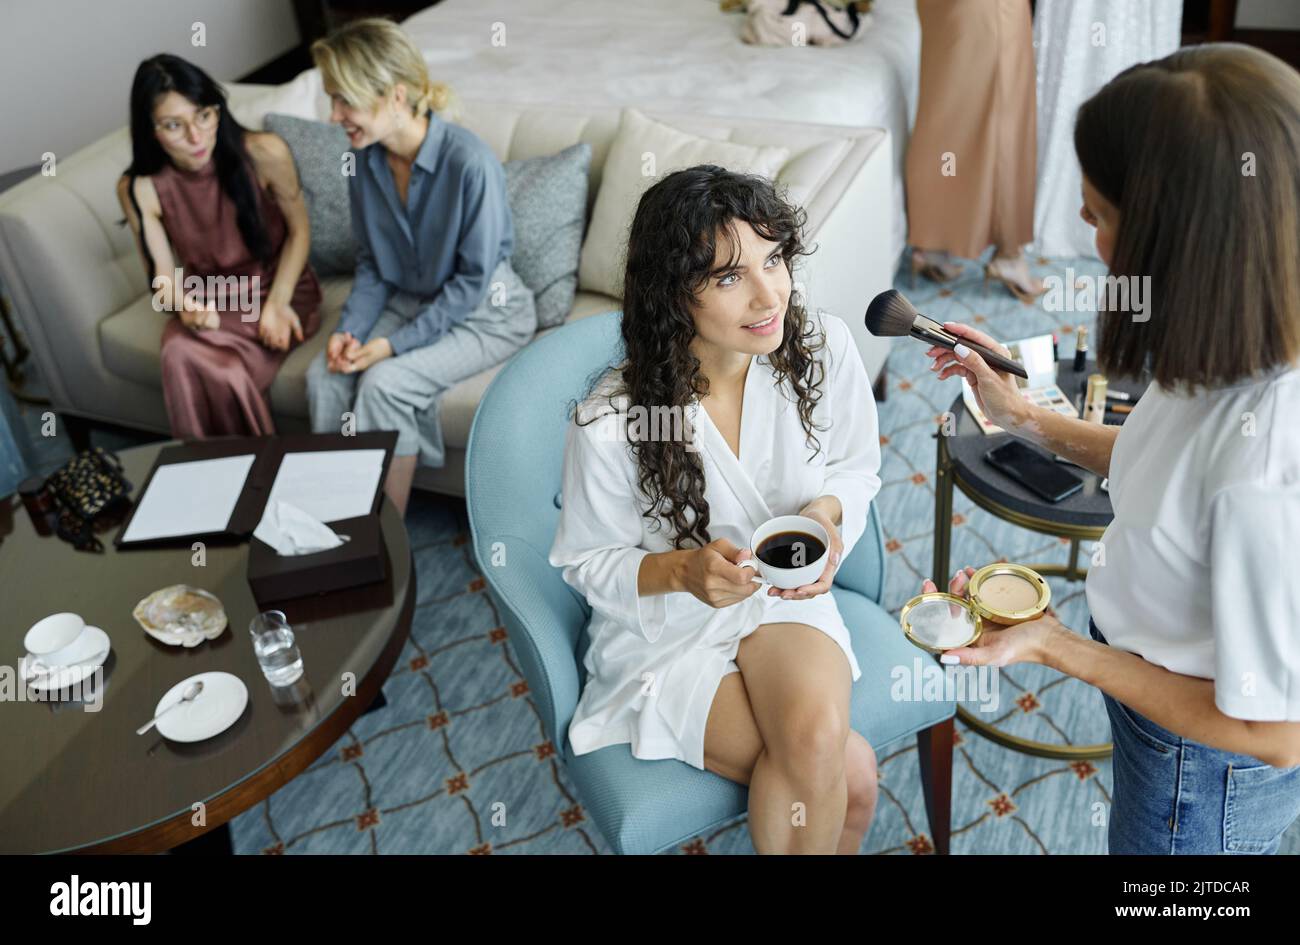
210,713
79,660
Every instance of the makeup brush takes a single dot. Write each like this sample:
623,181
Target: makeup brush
890,314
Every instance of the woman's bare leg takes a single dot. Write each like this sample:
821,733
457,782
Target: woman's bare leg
860,762
731,740
401,473
798,682
732,744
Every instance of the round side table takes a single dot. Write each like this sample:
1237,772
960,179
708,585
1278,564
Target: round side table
1081,517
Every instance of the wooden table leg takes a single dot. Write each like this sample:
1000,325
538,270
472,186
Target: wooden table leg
934,748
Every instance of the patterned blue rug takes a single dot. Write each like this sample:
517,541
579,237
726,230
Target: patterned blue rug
457,761
460,738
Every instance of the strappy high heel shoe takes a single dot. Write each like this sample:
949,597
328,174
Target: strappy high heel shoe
1023,295
934,271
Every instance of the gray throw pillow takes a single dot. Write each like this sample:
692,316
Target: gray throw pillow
548,200
318,150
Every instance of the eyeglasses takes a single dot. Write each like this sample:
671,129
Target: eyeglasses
175,129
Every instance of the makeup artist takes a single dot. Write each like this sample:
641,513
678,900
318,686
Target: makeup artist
1191,177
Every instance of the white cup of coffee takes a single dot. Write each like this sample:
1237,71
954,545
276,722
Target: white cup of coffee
789,551
53,633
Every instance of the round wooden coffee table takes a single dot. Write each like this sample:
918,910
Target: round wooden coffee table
78,780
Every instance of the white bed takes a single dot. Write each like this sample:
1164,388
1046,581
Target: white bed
680,55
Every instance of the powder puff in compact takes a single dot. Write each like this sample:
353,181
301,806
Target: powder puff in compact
1002,593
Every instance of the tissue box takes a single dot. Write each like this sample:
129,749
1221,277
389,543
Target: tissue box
363,560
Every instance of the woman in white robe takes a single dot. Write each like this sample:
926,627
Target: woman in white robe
689,657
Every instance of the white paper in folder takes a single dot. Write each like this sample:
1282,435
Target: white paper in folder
329,484
194,498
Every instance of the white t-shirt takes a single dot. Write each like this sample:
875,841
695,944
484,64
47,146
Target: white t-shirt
1201,571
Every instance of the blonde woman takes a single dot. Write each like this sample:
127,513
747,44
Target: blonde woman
435,299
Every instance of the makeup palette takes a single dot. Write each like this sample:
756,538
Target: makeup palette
1001,593
1051,398
1038,355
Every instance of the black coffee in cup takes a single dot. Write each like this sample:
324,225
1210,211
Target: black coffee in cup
790,549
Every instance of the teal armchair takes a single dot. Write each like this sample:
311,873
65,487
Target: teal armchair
513,471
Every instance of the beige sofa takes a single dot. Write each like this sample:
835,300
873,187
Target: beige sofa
77,282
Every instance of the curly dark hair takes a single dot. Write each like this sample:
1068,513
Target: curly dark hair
670,256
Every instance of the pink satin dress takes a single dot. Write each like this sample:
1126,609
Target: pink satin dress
217,382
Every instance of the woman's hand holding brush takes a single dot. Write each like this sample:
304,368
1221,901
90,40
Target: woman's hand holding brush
890,314
1087,444
996,391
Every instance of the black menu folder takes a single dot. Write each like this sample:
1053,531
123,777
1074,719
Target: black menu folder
267,452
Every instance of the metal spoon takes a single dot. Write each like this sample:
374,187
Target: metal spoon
190,693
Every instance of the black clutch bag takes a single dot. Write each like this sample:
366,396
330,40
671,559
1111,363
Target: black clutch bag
86,491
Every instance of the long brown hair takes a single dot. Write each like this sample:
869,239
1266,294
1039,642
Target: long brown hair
1200,153
670,254
154,78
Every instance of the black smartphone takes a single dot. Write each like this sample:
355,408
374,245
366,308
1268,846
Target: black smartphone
1035,471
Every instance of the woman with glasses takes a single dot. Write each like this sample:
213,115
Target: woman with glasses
220,221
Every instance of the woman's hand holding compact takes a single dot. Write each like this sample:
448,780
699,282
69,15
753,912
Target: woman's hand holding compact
998,645
996,391
836,550
713,574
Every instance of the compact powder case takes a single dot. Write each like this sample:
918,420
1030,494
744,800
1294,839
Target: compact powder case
940,621
1008,593
1005,594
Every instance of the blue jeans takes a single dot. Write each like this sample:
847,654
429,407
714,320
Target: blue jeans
1173,795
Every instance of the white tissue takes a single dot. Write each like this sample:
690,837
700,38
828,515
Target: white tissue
291,531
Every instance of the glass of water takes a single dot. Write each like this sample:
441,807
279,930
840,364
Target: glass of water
277,653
